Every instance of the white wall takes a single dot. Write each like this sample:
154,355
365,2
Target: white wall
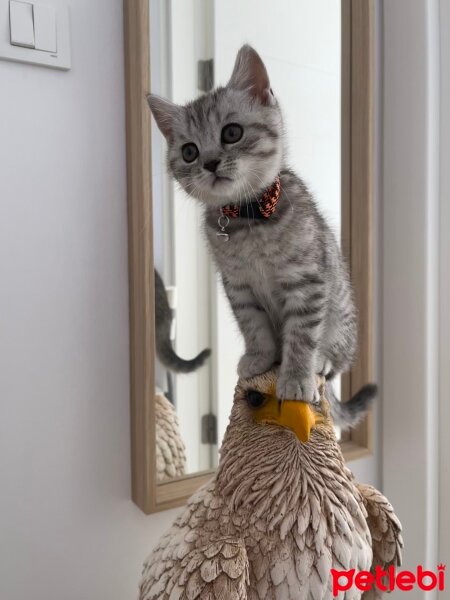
444,414
415,212
67,526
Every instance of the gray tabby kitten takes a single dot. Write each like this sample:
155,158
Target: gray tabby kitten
284,275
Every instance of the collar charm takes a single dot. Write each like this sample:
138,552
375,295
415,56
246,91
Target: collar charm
223,222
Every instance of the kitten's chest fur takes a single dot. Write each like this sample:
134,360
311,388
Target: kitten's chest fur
280,259
260,252
248,258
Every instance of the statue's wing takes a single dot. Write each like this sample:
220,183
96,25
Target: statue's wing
215,571
385,528
218,571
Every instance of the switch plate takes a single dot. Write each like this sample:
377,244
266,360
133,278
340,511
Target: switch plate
21,24
51,52
44,27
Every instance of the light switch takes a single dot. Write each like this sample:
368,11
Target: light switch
44,27
35,32
21,23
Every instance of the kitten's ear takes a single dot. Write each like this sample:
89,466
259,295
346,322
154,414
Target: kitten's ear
250,74
165,113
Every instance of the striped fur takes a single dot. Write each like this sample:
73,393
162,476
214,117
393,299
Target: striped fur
284,276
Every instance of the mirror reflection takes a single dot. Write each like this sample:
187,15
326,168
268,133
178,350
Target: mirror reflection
194,44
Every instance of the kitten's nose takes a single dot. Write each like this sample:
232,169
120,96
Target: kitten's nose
211,165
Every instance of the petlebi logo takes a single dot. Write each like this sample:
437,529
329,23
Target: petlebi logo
389,580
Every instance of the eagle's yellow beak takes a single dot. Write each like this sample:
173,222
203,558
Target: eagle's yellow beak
295,415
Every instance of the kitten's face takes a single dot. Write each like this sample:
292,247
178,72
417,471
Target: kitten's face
227,145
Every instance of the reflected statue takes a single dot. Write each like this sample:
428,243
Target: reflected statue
170,448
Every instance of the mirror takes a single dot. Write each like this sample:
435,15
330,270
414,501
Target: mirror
193,46
320,60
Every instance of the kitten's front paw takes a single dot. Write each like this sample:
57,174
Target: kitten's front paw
255,364
290,387
323,366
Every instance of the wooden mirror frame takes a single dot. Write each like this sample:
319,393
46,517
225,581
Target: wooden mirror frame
357,238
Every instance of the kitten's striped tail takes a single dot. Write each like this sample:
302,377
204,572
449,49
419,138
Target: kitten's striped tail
348,414
175,363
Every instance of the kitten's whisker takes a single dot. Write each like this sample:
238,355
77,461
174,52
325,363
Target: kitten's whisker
244,182
247,204
255,196
288,199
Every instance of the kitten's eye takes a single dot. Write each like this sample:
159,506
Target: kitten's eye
189,152
231,133
255,399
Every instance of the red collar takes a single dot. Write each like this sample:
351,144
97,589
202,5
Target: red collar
261,208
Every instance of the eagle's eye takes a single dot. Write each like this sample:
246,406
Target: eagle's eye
255,399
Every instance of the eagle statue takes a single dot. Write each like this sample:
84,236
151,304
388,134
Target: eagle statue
281,517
